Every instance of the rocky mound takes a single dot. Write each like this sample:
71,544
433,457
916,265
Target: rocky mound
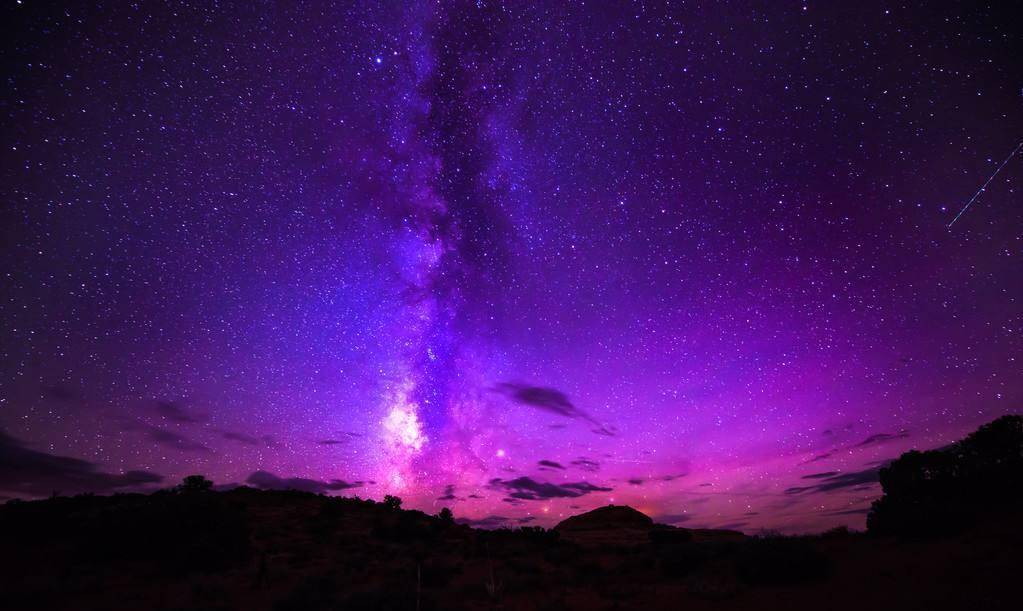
609,517
623,525
614,524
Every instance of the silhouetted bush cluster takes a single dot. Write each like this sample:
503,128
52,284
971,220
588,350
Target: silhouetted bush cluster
664,535
682,560
407,527
779,560
392,502
939,491
174,531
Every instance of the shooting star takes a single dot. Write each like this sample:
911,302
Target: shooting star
981,190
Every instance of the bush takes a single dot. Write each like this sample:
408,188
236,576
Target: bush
392,502
780,561
670,535
838,532
682,560
174,533
195,483
312,594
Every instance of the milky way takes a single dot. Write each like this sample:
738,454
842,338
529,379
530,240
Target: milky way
518,260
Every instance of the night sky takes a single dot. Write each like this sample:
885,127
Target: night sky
517,260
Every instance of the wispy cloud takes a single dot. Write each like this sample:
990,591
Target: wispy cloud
265,480
882,438
553,401
528,489
586,464
30,472
176,413
168,438
834,480
263,440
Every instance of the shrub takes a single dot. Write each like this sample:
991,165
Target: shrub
670,535
195,483
312,594
838,532
681,560
392,502
780,561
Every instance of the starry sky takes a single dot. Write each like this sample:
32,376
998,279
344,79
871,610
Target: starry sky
516,259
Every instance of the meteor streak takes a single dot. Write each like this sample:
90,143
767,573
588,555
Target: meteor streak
981,190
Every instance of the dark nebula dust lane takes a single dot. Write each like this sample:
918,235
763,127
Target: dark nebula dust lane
518,259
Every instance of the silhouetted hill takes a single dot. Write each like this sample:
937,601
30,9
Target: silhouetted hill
623,525
613,524
608,517
196,548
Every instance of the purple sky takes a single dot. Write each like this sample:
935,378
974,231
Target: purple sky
517,260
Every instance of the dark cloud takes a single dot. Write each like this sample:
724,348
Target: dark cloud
672,477
635,481
475,496
732,526
819,457
263,440
493,522
553,401
449,493
705,485
175,413
489,522
837,481
823,475
844,429
344,437
62,394
586,464
27,471
169,438
528,489
850,512
546,399
550,464
882,438
268,481
875,439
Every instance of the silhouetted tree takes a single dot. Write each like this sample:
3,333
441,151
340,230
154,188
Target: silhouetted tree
392,502
195,483
446,516
934,492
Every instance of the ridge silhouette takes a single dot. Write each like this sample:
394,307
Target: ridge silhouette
951,512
